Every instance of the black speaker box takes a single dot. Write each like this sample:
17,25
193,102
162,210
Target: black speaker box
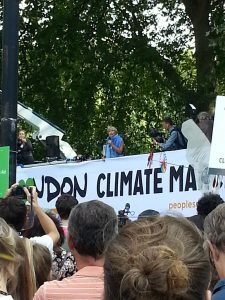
52,146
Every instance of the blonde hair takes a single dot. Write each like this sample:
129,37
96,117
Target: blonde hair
39,260
9,258
204,116
26,286
112,128
161,258
18,264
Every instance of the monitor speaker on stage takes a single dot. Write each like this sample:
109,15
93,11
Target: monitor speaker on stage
52,147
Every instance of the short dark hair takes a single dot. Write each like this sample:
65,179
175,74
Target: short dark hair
148,213
168,120
64,204
14,211
91,226
208,203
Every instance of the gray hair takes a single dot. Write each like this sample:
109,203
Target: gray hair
92,225
214,227
109,128
204,116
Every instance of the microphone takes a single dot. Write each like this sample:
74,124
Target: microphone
109,139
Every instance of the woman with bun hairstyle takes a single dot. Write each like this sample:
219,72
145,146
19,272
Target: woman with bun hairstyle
157,259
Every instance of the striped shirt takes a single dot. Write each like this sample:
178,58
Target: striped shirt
86,284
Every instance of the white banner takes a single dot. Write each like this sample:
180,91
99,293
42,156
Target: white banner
121,180
217,154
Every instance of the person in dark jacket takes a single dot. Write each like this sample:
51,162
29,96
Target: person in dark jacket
24,149
175,141
214,229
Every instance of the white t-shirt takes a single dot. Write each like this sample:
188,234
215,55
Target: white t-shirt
44,240
6,297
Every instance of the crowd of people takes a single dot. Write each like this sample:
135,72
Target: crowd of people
78,252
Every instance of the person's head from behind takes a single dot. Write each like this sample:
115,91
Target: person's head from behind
214,229
208,203
148,214
64,204
112,131
167,123
92,225
42,261
14,211
9,258
159,259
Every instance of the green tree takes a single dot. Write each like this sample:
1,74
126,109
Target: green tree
87,64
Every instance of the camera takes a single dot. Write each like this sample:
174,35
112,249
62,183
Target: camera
18,191
123,215
80,158
156,135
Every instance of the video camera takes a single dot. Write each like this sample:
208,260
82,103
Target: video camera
123,215
156,135
18,191
80,158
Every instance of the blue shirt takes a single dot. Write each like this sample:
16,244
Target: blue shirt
110,151
219,290
170,144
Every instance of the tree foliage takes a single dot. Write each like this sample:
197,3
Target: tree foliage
87,64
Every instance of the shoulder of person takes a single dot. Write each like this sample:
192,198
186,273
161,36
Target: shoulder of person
219,295
46,289
219,290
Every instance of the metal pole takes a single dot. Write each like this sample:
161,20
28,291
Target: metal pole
10,81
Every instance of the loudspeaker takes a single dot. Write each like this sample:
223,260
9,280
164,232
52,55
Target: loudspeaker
52,147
